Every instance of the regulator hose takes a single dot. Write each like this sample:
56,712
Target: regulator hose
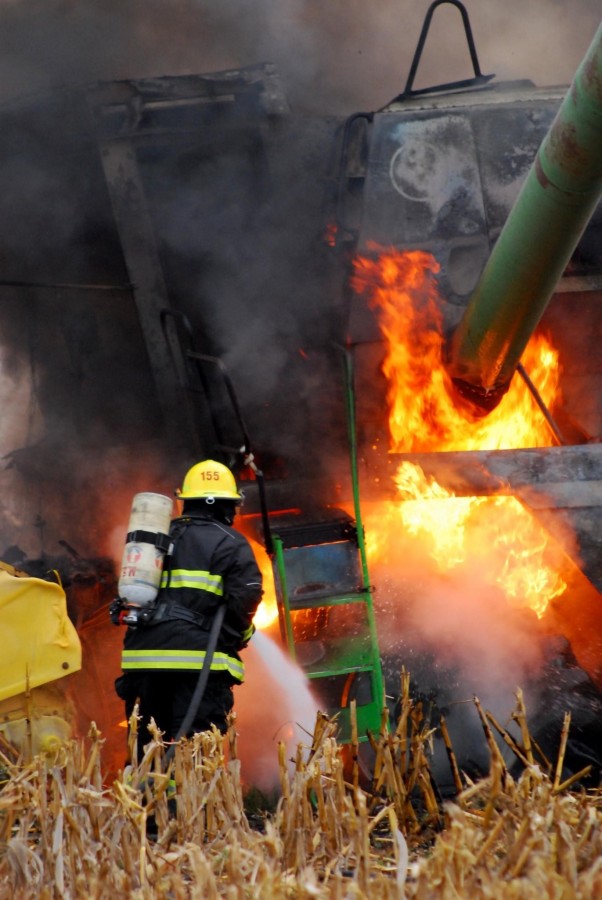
201,684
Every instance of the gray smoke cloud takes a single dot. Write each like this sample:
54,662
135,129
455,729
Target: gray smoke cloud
336,57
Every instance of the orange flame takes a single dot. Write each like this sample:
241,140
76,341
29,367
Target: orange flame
267,613
422,414
495,532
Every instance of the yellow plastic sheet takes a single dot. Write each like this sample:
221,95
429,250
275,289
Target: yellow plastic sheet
39,641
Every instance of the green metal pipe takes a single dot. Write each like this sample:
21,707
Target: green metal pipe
557,200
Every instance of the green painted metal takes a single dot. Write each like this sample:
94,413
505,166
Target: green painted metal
355,485
284,607
345,657
379,686
554,206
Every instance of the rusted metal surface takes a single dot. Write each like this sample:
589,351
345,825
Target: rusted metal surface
556,202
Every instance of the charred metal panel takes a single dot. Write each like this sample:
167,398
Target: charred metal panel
443,177
423,183
423,190
507,138
175,105
446,181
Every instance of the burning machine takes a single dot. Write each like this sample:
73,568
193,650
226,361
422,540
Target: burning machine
454,171
468,214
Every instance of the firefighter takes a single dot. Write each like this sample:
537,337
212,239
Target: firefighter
209,564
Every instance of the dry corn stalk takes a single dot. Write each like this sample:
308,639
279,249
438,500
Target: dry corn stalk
64,833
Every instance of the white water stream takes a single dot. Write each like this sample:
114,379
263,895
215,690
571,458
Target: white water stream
274,704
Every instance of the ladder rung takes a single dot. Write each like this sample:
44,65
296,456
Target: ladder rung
296,603
328,673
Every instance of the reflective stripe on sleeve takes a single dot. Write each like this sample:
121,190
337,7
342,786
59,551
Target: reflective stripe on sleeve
180,659
248,634
193,578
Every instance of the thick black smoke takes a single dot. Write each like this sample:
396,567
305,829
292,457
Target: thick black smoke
241,248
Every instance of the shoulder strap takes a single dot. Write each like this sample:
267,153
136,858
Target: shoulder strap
176,530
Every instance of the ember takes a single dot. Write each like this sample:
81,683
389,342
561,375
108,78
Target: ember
267,613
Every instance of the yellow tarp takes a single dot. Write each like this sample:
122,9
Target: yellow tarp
39,643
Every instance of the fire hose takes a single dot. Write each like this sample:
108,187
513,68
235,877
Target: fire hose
201,685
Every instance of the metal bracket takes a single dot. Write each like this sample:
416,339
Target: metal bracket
478,78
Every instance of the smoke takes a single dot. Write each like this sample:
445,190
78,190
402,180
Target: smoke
248,267
453,620
336,57
468,625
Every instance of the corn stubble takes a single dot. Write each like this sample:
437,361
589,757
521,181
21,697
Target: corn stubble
65,833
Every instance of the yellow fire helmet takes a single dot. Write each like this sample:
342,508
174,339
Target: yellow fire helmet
209,479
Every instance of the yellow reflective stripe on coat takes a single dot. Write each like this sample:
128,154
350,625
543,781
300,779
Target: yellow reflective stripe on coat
193,578
180,659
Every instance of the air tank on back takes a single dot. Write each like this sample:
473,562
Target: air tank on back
147,541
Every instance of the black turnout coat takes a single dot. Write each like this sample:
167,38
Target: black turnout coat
211,564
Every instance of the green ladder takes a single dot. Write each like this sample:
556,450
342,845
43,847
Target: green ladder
325,603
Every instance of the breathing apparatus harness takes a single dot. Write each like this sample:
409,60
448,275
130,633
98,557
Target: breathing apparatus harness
124,612
162,610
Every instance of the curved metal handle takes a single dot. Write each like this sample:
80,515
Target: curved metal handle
478,78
